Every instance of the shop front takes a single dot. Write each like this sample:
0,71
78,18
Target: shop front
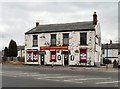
32,56
83,55
55,54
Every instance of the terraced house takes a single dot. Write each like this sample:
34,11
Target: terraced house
77,43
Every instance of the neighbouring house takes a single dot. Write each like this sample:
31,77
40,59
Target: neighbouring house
1,56
21,51
77,43
110,51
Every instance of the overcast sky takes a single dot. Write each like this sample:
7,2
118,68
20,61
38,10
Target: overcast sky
19,17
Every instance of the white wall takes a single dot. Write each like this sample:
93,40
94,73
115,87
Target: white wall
74,45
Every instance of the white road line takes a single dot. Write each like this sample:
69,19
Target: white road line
91,78
67,80
107,82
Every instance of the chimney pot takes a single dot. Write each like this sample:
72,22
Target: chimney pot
110,41
94,18
37,23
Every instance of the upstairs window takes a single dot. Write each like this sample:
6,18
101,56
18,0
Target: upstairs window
53,39
83,38
35,40
66,39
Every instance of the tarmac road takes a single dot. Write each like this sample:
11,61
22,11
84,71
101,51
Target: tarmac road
58,76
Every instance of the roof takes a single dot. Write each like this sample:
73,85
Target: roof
111,46
76,26
20,48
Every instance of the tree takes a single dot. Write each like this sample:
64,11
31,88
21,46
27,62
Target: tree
12,49
6,52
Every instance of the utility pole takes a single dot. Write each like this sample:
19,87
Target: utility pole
107,56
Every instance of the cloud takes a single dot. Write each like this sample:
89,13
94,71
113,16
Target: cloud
19,17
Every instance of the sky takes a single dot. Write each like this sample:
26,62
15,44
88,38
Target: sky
19,17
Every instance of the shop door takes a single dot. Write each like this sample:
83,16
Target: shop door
66,58
42,59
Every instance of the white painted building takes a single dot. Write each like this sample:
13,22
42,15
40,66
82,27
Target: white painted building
21,51
77,43
110,51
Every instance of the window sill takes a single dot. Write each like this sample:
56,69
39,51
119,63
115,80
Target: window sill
35,46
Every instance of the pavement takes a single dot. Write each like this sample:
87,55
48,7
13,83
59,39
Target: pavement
101,69
72,68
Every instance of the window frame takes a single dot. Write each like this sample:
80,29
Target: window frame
35,41
53,43
65,39
83,38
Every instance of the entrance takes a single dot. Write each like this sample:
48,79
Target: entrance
42,59
66,58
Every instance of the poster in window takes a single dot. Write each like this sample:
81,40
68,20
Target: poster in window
83,55
53,57
30,59
35,56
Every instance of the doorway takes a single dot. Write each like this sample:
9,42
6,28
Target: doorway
42,57
66,59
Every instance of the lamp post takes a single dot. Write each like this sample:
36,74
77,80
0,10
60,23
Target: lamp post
107,56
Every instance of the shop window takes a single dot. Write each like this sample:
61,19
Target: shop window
83,55
59,57
35,56
53,56
35,40
72,58
32,56
83,38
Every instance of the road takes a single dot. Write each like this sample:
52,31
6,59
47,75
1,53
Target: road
46,76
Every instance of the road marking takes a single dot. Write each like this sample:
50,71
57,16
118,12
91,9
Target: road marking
91,78
66,80
107,82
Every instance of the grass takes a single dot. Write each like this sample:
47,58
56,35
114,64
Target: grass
14,62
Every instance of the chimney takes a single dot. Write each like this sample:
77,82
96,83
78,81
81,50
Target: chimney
110,41
94,18
37,23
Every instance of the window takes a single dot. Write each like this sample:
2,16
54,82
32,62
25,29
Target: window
72,58
83,38
108,53
66,39
53,39
59,57
53,56
83,55
35,40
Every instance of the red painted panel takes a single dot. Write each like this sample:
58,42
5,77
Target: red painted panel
83,55
53,55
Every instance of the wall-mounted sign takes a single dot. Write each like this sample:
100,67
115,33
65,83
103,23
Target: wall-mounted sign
53,47
59,57
76,51
72,58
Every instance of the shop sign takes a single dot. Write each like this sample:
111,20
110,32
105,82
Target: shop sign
42,53
51,48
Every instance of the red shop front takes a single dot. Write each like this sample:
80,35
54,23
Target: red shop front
53,50
32,55
52,55
83,55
